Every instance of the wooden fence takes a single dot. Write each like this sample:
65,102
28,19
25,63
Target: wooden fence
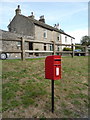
23,51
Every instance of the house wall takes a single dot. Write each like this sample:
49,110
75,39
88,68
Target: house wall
39,34
38,46
51,36
21,25
55,37
69,40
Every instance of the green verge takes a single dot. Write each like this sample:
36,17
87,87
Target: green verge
24,86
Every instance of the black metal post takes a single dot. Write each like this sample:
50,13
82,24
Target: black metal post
52,95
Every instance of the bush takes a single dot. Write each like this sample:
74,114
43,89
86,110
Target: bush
67,49
36,49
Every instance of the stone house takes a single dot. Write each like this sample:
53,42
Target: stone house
29,27
36,28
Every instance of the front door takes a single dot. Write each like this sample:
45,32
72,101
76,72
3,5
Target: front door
30,46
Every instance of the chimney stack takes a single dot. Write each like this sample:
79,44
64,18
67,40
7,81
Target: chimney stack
56,25
31,16
18,10
42,19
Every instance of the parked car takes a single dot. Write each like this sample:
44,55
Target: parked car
4,56
77,52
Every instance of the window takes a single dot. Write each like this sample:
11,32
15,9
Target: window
9,29
71,41
30,46
51,47
66,39
59,37
45,33
45,46
58,48
14,30
19,44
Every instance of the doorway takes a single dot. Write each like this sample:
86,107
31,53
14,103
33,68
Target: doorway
30,46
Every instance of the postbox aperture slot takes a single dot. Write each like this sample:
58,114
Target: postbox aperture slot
56,65
57,60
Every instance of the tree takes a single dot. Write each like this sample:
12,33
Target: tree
85,40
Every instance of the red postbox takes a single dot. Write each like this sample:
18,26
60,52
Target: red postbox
53,67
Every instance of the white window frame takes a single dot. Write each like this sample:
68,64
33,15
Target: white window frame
58,48
59,36
45,34
65,39
18,43
51,47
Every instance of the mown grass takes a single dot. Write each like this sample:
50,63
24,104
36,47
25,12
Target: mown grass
27,94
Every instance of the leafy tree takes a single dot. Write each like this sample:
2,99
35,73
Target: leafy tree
85,40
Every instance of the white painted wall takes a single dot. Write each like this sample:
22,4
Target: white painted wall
67,40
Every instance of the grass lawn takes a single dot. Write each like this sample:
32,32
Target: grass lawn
26,94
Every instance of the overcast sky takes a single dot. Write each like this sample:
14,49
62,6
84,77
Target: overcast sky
71,16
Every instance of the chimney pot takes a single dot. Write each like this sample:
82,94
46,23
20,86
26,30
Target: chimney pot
32,15
18,6
42,19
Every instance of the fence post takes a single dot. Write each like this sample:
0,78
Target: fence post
85,50
72,50
88,52
23,49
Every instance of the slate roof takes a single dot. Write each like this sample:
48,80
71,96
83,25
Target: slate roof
39,23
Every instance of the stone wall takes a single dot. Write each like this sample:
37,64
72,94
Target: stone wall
37,46
14,46
39,34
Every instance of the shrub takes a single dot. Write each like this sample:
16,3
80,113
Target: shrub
67,49
36,49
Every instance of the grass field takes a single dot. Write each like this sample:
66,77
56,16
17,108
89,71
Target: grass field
26,94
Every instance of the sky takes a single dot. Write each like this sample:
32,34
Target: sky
71,16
